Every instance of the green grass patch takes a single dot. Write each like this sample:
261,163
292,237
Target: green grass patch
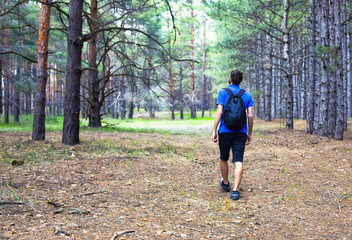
158,125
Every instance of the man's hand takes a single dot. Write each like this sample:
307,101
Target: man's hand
215,137
249,139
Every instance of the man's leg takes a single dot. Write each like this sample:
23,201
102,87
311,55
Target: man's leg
238,175
224,169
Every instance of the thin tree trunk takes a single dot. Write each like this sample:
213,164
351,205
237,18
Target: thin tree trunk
17,91
171,85
180,79
48,94
93,82
1,80
7,98
267,80
70,131
192,93
287,66
331,74
349,74
345,62
204,77
339,130
312,70
150,105
133,97
43,41
324,84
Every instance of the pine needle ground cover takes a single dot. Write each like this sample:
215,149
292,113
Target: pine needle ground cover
158,185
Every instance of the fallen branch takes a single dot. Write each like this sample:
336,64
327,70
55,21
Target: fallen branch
12,203
339,198
55,204
92,193
120,234
58,211
60,230
78,211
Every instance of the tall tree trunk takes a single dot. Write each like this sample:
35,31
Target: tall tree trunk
38,132
122,96
6,74
258,103
324,83
349,75
332,74
204,77
28,102
267,80
150,105
345,62
17,91
312,70
171,84
70,131
192,93
133,97
275,88
304,66
288,68
2,43
180,79
48,94
338,133
1,80
7,98
93,79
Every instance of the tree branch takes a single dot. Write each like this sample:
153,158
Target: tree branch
19,54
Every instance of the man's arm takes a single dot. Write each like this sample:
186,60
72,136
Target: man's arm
250,124
217,121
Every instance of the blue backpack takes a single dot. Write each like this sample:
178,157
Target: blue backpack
235,117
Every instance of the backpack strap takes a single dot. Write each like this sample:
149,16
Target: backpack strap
240,93
228,91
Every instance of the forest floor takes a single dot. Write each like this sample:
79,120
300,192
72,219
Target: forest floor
125,185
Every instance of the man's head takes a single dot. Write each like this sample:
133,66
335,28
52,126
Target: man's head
236,77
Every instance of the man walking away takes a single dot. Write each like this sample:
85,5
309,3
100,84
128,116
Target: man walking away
230,138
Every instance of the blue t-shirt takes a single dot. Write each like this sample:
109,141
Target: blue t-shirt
222,98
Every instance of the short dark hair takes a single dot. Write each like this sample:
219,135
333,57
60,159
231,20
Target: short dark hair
236,77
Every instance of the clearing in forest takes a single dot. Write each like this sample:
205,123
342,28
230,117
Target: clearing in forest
127,185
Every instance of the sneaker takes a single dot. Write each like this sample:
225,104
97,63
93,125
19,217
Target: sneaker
235,195
224,186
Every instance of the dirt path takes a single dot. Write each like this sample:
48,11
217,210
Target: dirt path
160,186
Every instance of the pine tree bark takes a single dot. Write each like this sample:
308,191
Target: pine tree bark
204,77
1,80
331,73
324,83
70,132
38,132
340,110
171,85
150,105
288,68
312,69
93,79
192,92
133,97
345,31
180,79
349,75
267,80
17,102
